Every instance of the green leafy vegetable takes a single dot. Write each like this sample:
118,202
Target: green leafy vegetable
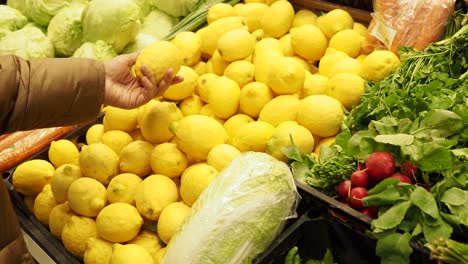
394,248
28,43
448,250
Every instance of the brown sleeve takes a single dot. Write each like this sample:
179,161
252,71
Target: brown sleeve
49,92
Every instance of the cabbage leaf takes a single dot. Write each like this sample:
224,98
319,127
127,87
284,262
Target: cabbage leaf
11,18
99,50
29,43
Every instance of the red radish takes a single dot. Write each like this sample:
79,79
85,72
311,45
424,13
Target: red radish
401,177
359,178
380,165
368,212
343,189
356,197
361,166
374,210
408,169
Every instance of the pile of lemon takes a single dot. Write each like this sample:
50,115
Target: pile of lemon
256,76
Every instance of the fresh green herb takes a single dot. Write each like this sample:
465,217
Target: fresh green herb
293,257
448,251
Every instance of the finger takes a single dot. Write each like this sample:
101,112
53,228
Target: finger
146,72
147,84
131,58
177,79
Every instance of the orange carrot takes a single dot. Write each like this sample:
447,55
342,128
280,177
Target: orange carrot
11,138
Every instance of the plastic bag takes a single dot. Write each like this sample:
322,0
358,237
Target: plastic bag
415,23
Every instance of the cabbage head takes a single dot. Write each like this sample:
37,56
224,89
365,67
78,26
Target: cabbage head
11,18
115,22
145,6
29,43
65,30
4,32
39,11
238,215
158,24
100,51
141,41
177,8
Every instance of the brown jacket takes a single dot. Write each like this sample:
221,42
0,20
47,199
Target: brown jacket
42,93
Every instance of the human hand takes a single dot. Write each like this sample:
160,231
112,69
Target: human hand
123,90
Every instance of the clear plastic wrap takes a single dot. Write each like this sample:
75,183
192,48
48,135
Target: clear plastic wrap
239,214
415,23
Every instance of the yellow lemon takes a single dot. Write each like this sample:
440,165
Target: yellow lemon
135,158
211,33
321,114
218,64
189,44
220,156
156,120
121,188
63,151
87,196
268,44
202,85
347,65
378,65
118,222
153,194
223,96
286,45
194,180
324,141
76,232
170,220
282,136
236,44
130,253
334,21
253,13
184,89
361,29
207,110
308,42
94,134
30,177
59,217
159,258
98,251
120,119
361,57
263,60
346,88
233,124
191,105
258,35
167,159
43,205
61,180
242,72
286,76
349,41
136,135
253,136
200,67
29,202
253,97
116,140
220,10
278,19
287,103
99,161
314,84
304,17
149,240
329,60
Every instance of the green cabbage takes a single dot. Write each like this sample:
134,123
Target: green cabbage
3,32
158,24
238,215
145,7
29,43
11,18
177,8
100,51
39,11
65,30
141,41
115,22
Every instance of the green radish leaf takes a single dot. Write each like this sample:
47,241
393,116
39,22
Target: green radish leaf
383,185
434,228
392,217
396,139
445,121
423,199
455,196
394,248
389,196
460,211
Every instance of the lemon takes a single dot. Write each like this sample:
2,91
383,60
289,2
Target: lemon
258,35
30,177
63,151
116,140
378,65
315,84
207,110
94,134
253,13
329,60
199,67
281,138
321,114
189,44
29,202
99,161
218,63
61,180
149,240
361,57
120,119
194,180
121,188
195,135
361,29
43,205
220,156
334,21
211,33
236,44
348,41
347,65
191,105
286,76
266,45
287,103
158,57
304,17
223,96
135,158
277,19
159,258
233,124
167,159
253,97
87,196
59,217
156,120
98,251
136,135
242,72
263,60
76,232
118,222
253,136
308,42
286,45
171,218
130,253
202,84
324,141
218,11
184,89
346,88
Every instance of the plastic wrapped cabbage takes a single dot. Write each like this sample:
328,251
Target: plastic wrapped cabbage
177,8
39,11
65,30
29,43
115,22
145,6
3,32
158,24
141,41
99,50
11,18
238,215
